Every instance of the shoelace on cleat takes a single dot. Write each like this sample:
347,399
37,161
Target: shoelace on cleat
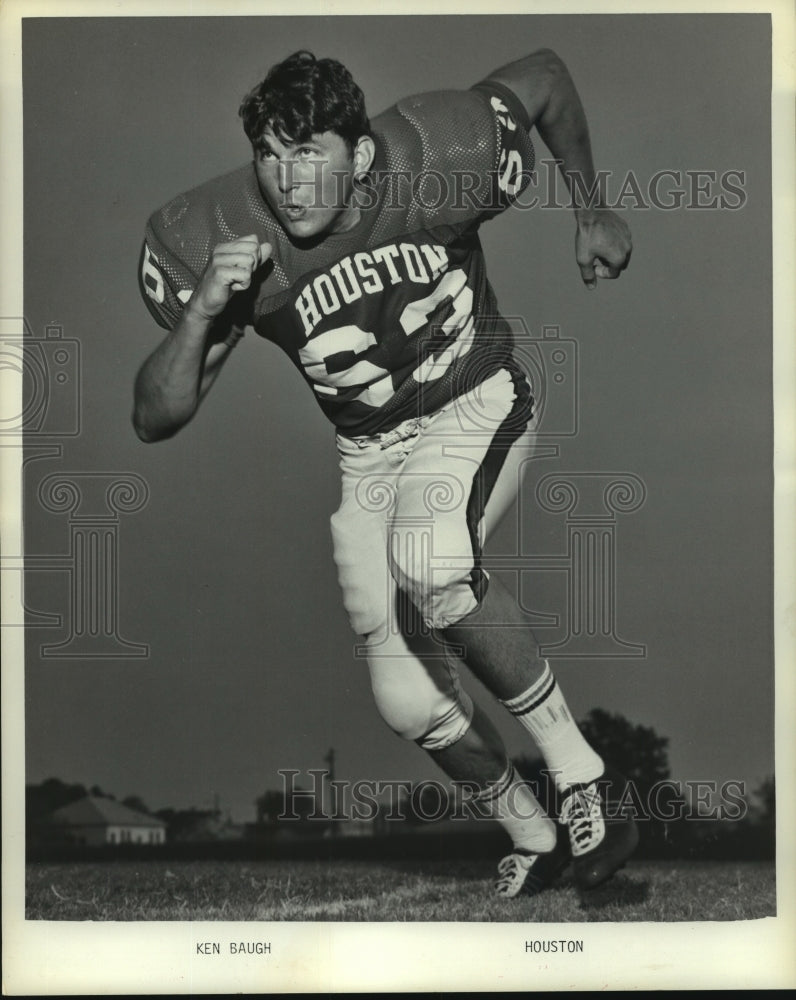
513,869
582,814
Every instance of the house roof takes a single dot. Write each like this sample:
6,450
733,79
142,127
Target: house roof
94,811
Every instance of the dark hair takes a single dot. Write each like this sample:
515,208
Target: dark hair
304,96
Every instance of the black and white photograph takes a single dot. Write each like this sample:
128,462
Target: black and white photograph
398,498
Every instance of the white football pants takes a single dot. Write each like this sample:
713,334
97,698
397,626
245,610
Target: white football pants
417,505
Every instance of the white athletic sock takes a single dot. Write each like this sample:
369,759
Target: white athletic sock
511,802
544,713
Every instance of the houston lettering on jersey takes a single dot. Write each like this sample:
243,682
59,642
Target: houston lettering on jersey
367,273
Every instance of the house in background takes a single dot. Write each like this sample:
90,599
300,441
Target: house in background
95,820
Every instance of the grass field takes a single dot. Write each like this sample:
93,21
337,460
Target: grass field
388,890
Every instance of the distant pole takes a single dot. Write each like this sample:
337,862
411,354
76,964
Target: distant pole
329,760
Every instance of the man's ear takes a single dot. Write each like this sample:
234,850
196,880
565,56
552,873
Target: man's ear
364,152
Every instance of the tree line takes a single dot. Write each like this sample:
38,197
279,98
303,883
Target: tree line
675,819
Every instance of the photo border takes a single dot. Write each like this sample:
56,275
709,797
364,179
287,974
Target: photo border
47,957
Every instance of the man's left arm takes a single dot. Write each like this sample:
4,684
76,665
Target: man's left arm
542,84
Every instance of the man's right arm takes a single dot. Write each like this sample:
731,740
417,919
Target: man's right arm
177,375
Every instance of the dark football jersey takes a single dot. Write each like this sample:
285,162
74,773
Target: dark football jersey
395,316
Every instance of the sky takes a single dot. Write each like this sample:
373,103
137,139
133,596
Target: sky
224,577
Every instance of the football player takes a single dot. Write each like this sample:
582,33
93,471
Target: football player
354,246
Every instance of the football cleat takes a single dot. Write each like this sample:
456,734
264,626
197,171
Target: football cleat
526,873
601,836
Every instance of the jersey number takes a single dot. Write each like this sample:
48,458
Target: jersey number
151,277
318,352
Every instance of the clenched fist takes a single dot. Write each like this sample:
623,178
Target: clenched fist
602,245
229,270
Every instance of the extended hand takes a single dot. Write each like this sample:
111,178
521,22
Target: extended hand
229,270
602,245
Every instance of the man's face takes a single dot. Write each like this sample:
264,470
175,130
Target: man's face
308,185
